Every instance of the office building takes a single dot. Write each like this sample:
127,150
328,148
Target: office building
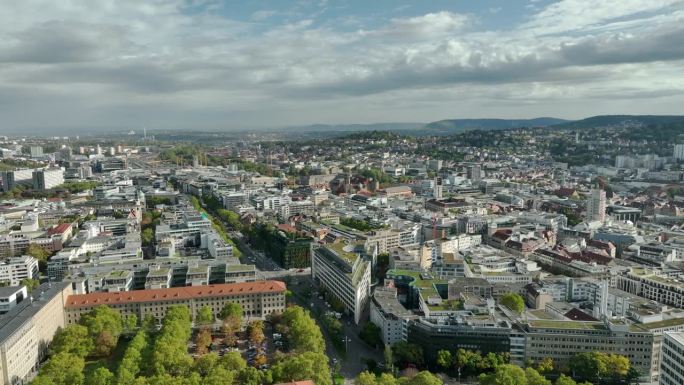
596,206
678,151
47,178
11,296
342,271
672,357
27,330
36,151
258,299
15,269
10,179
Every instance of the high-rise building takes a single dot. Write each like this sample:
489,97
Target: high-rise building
475,172
679,151
437,188
47,178
36,151
596,206
671,359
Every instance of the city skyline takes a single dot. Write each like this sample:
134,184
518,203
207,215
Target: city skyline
217,65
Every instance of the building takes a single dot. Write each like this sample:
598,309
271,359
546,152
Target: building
10,296
27,330
387,313
15,269
653,285
36,151
258,299
596,206
47,178
678,151
672,353
11,179
342,271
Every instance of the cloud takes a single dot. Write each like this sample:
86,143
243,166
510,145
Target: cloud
181,63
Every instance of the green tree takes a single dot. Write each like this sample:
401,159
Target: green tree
232,361
407,353
513,301
386,379
371,334
218,376
303,334
147,236
444,359
73,339
250,376
422,378
534,378
231,309
365,378
31,284
504,375
545,365
564,380
206,363
37,252
64,369
104,326
205,316
389,358
305,366
130,323
255,331
100,376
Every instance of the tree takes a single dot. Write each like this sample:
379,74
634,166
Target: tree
504,375
371,334
365,378
31,284
204,364
249,376
147,236
255,331
389,358
203,339
407,353
64,369
73,339
231,309
130,323
564,380
218,376
386,379
100,376
104,326
232,361
305,366
534,378
513,301
444,359
422,378
303,334
259,360
205,316
37,252
545,365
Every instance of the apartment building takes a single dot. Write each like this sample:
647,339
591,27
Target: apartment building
15,269
672,359
387,313
653,285
27,330
345,273
258,299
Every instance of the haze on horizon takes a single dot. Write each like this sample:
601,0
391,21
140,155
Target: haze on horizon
211,64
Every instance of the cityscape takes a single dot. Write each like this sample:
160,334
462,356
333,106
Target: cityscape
265,194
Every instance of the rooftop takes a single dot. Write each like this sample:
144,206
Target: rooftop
553,324
174,294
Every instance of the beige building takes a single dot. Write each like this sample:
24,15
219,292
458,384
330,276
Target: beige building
258,299
27,330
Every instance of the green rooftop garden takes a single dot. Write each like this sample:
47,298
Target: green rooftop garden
553,324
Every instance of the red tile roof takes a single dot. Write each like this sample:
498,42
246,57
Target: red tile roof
174,293
59,229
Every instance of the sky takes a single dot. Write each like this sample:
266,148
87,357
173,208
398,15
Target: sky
241,64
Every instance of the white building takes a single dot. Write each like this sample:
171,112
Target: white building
16,269
679,151
672,357
345,274
10,296
47,178
387,313
596,206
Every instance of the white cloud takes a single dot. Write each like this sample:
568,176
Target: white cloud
180,63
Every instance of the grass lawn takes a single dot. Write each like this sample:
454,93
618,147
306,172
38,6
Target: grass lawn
111,362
